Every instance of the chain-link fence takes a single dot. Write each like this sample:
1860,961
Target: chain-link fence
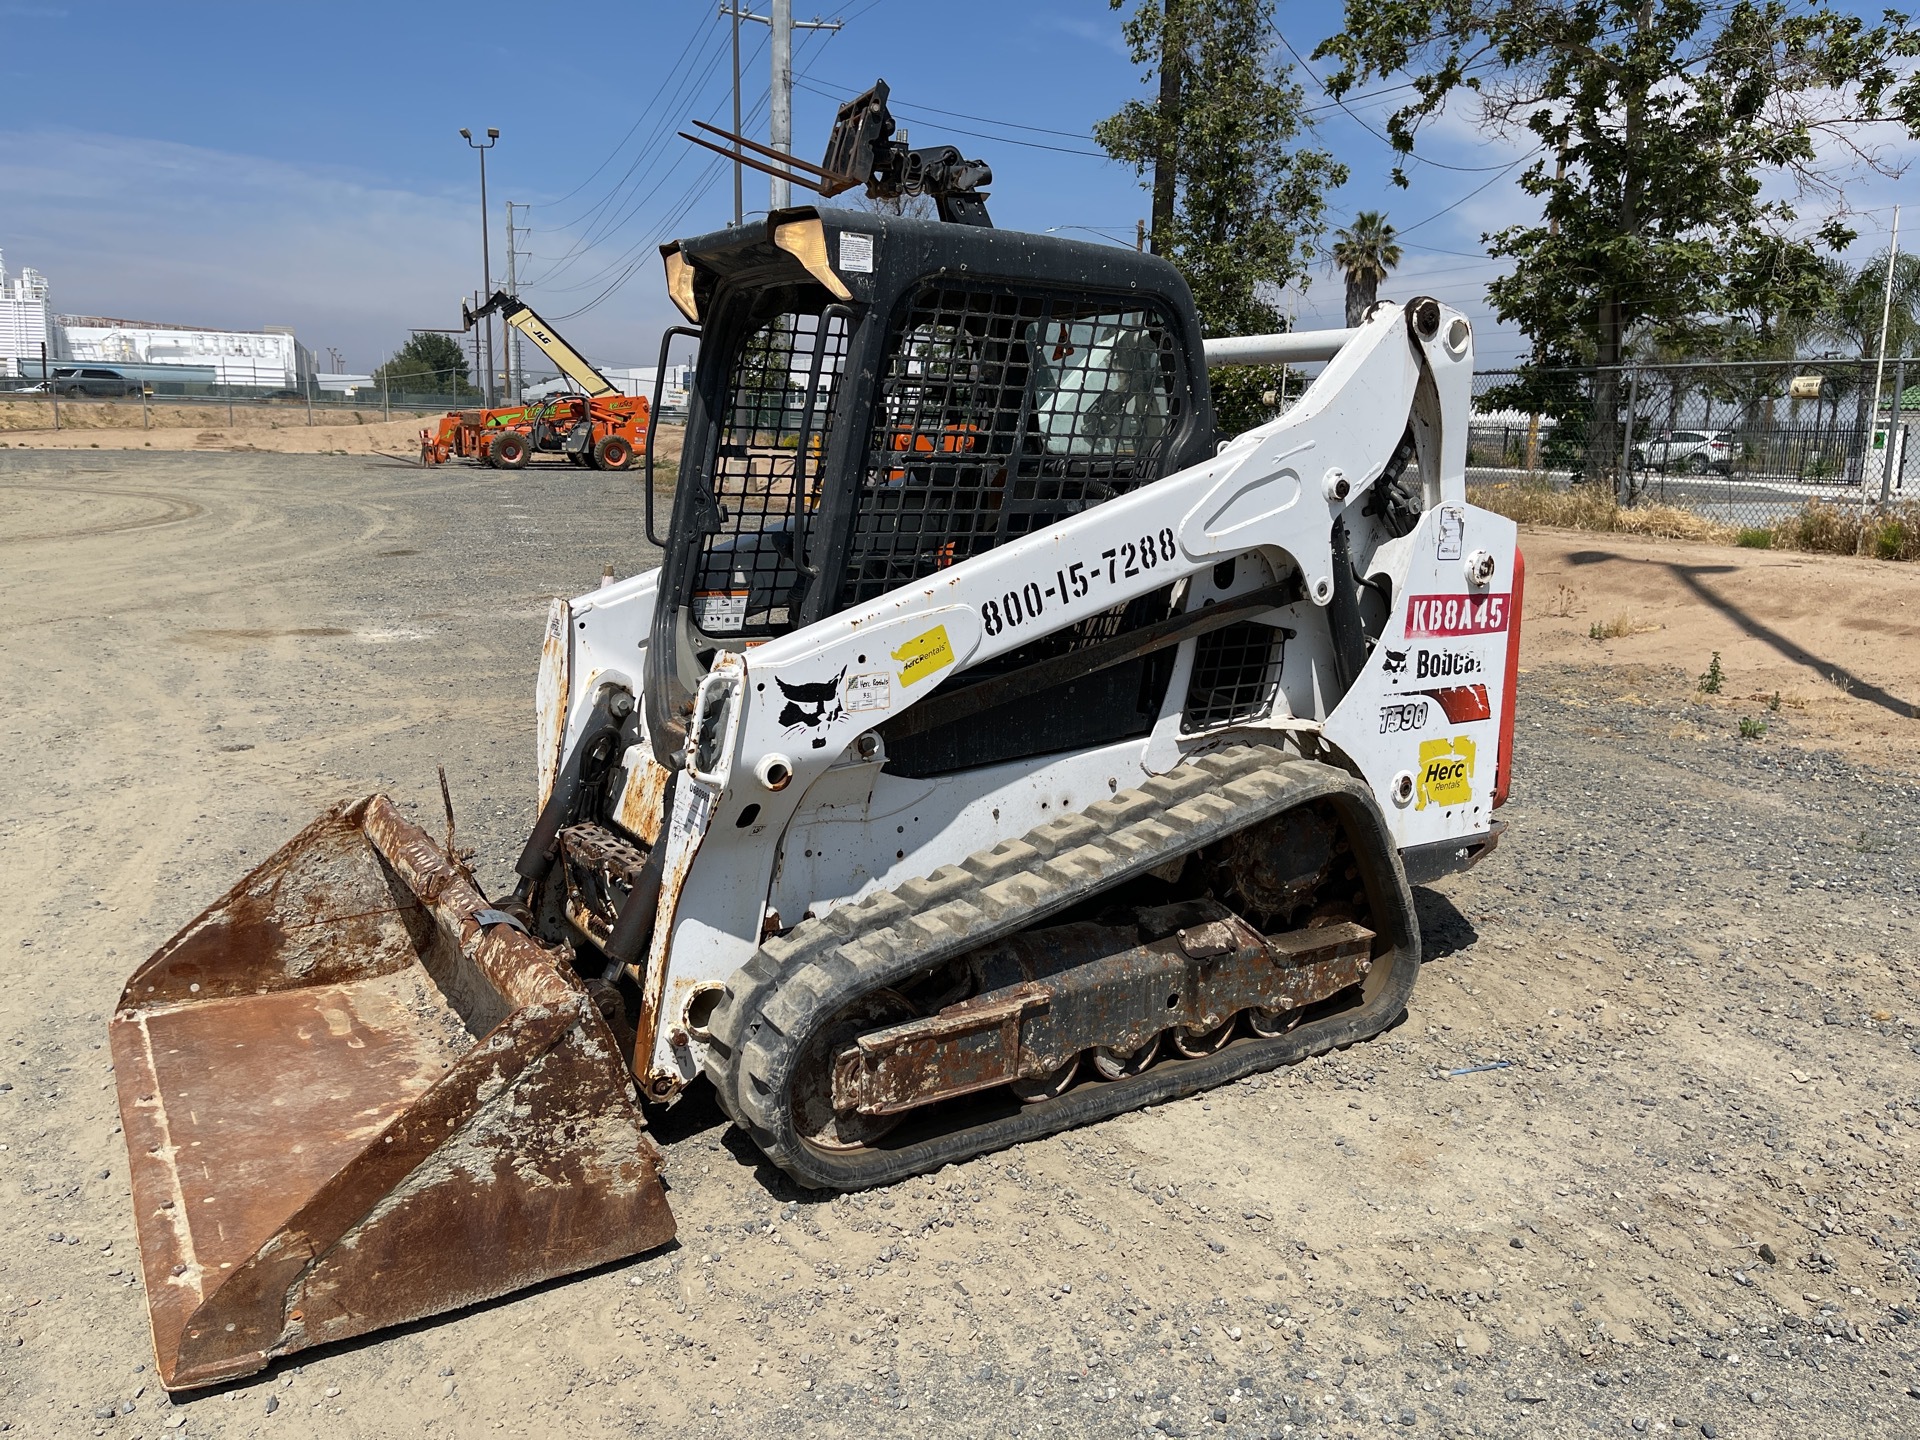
1742,443
323,399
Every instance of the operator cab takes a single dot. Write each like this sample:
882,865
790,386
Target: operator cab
881,397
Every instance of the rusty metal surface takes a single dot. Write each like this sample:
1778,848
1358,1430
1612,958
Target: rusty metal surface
601,870
347,1104
684,832
642,798
550,694
1049,995
284,925
967,1047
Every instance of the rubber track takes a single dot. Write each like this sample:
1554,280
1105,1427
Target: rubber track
798,981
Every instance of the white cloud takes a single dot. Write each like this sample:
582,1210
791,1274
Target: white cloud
149,229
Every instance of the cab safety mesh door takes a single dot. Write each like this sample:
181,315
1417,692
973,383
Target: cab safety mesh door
773,429
999,414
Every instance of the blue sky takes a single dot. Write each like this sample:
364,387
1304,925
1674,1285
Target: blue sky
229,164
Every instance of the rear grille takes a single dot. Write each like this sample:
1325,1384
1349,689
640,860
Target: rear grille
1236,674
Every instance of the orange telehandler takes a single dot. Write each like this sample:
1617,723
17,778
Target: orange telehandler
595,425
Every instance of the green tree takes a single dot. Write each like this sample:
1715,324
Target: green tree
1366,252
1237,203
1657,125
428,364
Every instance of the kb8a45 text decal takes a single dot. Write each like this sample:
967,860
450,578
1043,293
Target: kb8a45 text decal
1438,616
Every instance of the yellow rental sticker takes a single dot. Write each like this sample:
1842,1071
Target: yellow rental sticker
924,655
1446,772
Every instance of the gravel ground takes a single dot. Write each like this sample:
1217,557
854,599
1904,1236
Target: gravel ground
1671,1193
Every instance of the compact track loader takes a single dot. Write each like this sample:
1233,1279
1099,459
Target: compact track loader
997,748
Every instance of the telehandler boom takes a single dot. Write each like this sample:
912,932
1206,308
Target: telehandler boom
593,425
996,748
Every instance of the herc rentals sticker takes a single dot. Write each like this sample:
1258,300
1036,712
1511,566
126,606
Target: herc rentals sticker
1446,773
1430,616
925,654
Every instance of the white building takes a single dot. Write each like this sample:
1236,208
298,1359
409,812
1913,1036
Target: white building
266,359
23,322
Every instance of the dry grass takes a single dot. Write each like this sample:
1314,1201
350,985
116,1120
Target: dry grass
1846,530
1564,605
1592,508
1619,627
1819,527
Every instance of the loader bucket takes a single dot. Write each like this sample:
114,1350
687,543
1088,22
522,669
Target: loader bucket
352,1098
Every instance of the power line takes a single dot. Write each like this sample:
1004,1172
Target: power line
702,184
1418,159
956,114
1409,229
604,227
688,81
907,110
665,175
1437,250
678,65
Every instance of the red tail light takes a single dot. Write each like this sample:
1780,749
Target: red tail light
1503,775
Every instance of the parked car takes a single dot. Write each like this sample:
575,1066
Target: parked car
1693,451
93,380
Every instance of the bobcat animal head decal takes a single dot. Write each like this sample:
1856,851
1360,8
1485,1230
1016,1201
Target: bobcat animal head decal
809,706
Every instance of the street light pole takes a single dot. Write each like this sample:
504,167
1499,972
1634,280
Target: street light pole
486,257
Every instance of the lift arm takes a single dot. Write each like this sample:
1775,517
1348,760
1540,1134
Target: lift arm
522,317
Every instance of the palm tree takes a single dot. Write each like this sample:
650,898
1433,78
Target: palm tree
1854,319
1366,252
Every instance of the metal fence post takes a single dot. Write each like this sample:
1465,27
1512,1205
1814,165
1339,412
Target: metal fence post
229,404
1626,447
146,422
46,380
309,400
386,399
1896,433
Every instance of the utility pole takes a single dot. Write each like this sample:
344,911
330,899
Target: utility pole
739,215
780,107
780,114
486,259
516,356
1166,175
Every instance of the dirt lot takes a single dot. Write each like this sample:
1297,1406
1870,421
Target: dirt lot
277,430
1684,1205
280,429
1829,644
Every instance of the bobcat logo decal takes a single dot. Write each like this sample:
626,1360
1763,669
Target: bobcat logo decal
812,705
